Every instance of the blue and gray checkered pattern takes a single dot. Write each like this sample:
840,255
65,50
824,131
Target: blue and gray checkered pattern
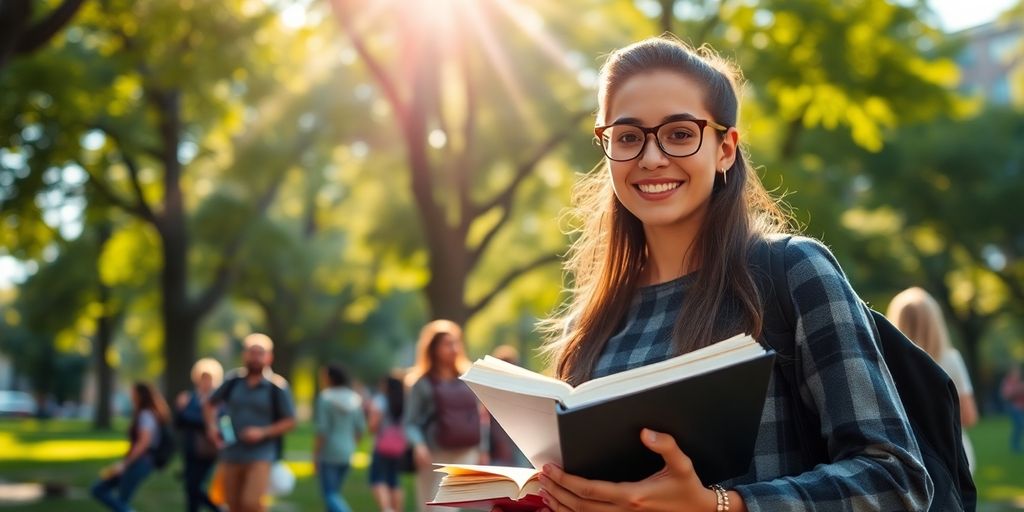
875,462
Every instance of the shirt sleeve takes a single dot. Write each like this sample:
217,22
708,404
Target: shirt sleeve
286,403
147,421
418,409
874,461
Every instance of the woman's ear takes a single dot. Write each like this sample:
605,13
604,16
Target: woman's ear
728,148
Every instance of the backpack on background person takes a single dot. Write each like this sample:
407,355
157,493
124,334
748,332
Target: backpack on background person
456,414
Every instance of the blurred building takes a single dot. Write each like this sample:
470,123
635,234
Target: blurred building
992,62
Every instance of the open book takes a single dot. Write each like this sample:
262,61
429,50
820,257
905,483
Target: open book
710,400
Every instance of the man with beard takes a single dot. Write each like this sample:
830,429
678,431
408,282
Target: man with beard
259,411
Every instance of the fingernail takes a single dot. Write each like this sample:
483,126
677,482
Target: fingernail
652,436
547,469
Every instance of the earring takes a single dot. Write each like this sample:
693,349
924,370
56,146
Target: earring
725,177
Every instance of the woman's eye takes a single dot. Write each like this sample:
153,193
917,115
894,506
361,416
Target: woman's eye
629,138
679,135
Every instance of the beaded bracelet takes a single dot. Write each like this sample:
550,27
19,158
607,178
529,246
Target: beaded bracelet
722,497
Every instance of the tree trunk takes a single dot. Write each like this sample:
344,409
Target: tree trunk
667,15
180,322
104,337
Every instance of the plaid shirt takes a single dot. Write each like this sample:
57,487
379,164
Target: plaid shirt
875,462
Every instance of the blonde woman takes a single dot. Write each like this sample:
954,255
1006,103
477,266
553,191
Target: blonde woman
442,418
915,312
200,455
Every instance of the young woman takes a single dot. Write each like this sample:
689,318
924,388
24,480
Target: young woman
339,423
661,268
389,444
200,455
916,313
442,418
122,479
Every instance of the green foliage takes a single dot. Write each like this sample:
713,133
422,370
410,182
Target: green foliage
298,173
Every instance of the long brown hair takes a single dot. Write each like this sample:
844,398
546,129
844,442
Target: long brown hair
607,259
150,398
430,335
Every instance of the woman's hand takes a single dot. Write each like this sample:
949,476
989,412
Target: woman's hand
422,455
253,435
182,400
676,488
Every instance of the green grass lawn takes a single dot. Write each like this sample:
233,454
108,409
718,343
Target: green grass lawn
68,452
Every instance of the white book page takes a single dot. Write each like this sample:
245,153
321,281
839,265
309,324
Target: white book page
529,420
719,355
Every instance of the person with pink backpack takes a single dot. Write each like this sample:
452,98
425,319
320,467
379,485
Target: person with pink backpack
390,444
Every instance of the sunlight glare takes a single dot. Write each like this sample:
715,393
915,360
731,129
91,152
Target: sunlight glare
294,16
532,24
437,139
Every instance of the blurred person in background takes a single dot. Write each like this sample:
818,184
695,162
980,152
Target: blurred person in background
258,412
120,481
916,313
442,415
1012,390
340,423
199,453
389,445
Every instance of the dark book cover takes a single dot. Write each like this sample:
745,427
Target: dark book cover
714,417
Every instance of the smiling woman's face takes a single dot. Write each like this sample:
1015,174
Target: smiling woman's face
658,189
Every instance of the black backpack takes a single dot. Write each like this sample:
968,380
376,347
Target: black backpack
275,404
928,394
163,452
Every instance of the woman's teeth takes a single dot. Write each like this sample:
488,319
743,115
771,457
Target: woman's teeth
658,187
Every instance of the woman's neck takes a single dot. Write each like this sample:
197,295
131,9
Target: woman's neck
445,373
670,253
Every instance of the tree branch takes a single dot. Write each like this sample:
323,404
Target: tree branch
223,274
378,72
115,199
511,276
504,198
133,173
40,33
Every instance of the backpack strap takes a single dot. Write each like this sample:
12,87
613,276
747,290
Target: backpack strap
229,386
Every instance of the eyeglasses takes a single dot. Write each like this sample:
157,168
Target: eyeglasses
679,138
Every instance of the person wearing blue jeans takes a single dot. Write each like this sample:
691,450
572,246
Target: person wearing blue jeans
331,477
340,422
117,490
1013,393
121,480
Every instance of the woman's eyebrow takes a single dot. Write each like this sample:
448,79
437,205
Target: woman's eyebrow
667,119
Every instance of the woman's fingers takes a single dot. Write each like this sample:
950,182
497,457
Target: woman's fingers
563,492
593,490
666,446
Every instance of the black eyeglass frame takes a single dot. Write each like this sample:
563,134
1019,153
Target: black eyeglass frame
701,123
